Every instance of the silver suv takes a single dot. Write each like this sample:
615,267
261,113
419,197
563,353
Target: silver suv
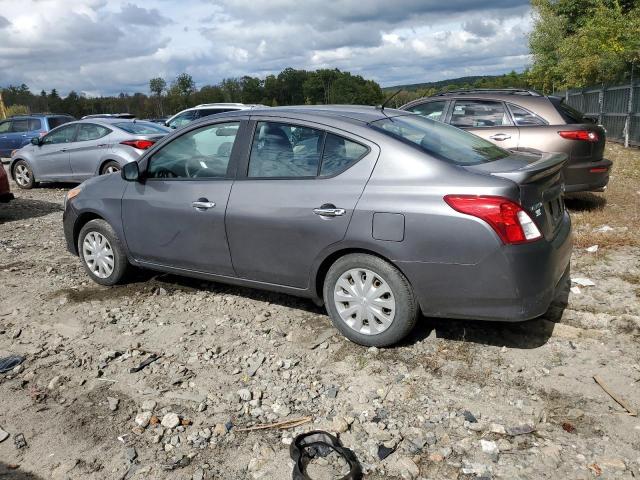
204,110
525,120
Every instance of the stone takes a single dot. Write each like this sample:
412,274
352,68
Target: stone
198,474
142,419
55,382
148,405
3,435
244,394
255,364
490,448
612,464
113,403
408,468
469,417
131,454
170,420
497,428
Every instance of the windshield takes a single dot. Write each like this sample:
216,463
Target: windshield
142,128
440,140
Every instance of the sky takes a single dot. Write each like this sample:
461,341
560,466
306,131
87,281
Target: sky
103,47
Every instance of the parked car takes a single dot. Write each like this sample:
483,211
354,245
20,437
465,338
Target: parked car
110,115
17,131
378,214
79,150
5,190
200,111
528,121
160,120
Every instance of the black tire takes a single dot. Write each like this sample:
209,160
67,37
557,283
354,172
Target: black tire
406,305
120,262
27,181
111,164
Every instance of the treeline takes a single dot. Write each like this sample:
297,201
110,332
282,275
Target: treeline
289,87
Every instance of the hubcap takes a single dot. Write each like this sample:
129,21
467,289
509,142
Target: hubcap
111,169
364,301
98,254
22,175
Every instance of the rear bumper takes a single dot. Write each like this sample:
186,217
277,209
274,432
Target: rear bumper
587,176
516,283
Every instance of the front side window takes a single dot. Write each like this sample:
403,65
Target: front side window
285,151
524,117
200,153
4,126
182,119
440,140
61,135
431,110
479,113
20,125
91,131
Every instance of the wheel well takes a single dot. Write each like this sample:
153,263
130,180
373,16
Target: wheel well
12,170
81,222
104,163
327,262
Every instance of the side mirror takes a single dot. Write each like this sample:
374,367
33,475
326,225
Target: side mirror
130,172
36,141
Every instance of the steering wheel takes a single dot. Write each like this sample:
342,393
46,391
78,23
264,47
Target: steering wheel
165,173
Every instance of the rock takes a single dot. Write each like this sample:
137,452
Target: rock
198,474
255,364
131,454
339,425
219,430
469,417
19,441
497,428
3,435
520,429
148,405
436,457
55,382
113,403
612,464
583,282
408,468
384,452
143,419
170,420
490,448
332,392
244,394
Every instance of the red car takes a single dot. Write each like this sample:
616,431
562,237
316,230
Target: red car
5,192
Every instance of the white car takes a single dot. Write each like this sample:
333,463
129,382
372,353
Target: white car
204,110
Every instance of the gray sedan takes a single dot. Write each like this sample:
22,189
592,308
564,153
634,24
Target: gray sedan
378,214
79,150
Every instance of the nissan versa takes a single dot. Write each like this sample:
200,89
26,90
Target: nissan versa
379,214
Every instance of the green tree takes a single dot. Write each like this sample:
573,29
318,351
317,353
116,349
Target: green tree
157,85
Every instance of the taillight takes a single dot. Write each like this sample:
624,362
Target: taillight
584,135
139,144
509,220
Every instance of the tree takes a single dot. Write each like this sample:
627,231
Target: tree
185,86
157,85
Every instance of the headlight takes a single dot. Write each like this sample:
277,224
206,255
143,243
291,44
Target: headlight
74,192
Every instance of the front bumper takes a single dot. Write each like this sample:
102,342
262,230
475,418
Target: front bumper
587,176
69,218
6,197
515,283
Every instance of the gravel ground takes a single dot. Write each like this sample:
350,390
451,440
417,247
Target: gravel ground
457,400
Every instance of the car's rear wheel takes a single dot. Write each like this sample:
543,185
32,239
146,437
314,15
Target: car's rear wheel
23,175
102,254
369,300
110,167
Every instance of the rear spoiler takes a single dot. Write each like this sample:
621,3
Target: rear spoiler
548,164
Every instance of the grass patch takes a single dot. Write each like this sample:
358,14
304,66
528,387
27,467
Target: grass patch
618,207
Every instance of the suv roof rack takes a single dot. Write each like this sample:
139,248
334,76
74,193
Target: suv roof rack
44,114
220,104
470,91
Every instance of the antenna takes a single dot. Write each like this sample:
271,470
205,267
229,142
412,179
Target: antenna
381,107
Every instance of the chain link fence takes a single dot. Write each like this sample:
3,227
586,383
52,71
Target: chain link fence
617,108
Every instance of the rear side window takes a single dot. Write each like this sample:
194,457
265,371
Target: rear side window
142,128
524,117
339,154
91,131
183,119
432,110
479,113
20,125
205,112
568,113
201,153
5,126
57,121
34,124
440,140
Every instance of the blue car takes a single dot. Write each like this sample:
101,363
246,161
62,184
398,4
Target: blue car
17,131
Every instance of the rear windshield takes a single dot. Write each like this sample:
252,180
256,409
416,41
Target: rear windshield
142,128
440,140
567,112
57,121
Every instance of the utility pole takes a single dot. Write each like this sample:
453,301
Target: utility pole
627,122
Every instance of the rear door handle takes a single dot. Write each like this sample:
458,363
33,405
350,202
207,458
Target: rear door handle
329,210
202,204
499,137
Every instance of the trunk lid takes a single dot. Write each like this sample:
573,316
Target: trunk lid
541,183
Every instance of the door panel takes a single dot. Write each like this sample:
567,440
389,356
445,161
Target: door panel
52,158
85,153
163,227
274,234
5,141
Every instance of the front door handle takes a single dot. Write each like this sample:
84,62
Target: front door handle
202,204
329,210
499,137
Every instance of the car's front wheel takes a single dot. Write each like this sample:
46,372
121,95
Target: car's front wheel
369,300
23,175
102,254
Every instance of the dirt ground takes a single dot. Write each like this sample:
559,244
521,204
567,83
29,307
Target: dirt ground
457,400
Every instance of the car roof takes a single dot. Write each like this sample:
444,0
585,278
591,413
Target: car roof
38,115
527,101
